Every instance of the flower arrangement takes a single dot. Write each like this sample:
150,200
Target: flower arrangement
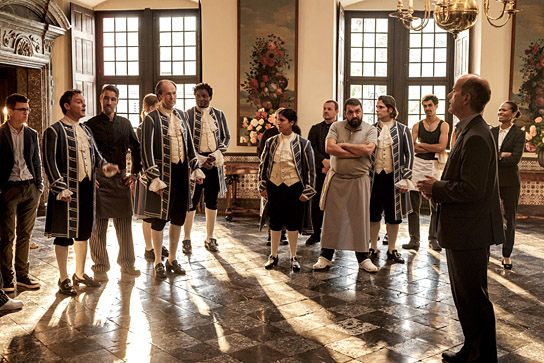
534,134
266,81
532,88
255,127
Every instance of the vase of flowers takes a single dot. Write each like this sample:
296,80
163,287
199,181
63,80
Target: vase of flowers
532,87
534,134
266,82
255,127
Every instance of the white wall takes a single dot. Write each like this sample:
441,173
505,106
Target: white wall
490,58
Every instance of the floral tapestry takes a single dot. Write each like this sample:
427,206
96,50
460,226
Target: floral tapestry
266,64
527,70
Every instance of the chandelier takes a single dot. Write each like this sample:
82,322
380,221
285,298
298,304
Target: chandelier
453,16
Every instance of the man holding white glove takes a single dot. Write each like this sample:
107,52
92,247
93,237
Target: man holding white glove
210,132
169,161
392,162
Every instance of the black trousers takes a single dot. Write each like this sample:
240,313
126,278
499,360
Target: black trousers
382,198
510,197
86,217
178,198
317,214
468,276
210,187
284,206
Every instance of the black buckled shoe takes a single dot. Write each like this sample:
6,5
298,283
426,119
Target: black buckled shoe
164,252
507,266
272,261
174,267
211,245
149,255
159,271
294,264
86,280
372,254
66,288
395,256
187,248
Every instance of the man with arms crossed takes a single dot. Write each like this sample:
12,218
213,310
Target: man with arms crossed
346,191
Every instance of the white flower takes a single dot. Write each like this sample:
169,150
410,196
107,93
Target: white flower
254,122
243,139
259,128
261,122
261,110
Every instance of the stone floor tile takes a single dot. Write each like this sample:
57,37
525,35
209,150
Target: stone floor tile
229,309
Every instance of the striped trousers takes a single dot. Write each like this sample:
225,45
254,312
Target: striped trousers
3,297
97,244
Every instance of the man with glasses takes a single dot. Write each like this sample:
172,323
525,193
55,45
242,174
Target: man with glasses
20,189
114,136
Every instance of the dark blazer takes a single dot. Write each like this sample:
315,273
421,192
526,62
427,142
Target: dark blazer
317,136
514,143
31,154
468,193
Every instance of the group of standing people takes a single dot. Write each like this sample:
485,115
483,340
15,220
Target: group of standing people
352,172
364,172
89,183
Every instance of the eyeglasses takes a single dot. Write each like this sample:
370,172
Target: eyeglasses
23,109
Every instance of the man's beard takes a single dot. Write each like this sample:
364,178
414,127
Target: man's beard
355,122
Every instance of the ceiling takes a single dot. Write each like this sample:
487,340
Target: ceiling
93,3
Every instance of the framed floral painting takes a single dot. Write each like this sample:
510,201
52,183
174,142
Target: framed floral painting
267,62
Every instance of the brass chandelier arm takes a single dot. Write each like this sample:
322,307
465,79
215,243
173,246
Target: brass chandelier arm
486,11
405,15
508,7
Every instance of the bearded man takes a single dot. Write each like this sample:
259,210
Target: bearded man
346,191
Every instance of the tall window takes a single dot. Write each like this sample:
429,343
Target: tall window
385,58
137,49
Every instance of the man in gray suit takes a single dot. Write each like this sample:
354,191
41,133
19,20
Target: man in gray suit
469,218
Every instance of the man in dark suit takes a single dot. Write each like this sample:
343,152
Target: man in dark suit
20,189
317,136
470,218
510,142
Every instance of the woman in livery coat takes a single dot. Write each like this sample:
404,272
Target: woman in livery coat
287,180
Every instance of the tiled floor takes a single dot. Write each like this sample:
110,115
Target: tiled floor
228,308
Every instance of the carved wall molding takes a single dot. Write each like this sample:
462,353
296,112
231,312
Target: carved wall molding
23,46
44,9
27,42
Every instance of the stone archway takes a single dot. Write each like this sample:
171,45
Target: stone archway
28,29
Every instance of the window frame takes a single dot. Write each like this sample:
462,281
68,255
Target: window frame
148,38
397,80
